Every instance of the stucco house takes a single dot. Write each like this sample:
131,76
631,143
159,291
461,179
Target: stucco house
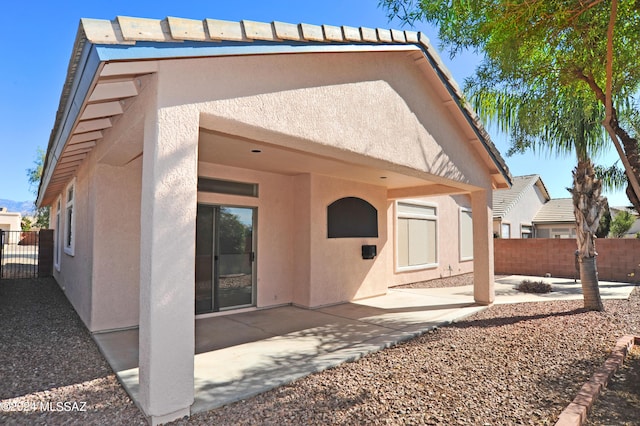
514,209
200,167
527,211
10,221
555,219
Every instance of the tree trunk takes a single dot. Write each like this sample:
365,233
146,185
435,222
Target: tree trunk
630,145
589,280
588,206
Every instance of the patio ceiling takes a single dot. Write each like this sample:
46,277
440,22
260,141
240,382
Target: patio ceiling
231,150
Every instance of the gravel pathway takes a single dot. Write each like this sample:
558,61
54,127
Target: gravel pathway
510,364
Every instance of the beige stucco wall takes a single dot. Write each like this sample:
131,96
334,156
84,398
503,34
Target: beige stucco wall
366,109
448,241
101,279
115,278
379,105
296,262
337,271
74,276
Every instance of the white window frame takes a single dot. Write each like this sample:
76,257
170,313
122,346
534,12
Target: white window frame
57,251
70,221
529,231
461,211
399,215
502,225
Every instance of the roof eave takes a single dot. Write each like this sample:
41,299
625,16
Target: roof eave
126,39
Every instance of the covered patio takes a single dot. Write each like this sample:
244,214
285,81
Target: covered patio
243,354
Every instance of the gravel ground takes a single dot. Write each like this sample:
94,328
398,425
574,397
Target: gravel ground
47,359
619,403
455,281
510,364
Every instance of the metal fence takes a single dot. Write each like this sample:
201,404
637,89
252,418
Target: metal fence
19,252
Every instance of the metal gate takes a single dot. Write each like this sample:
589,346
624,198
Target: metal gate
22,252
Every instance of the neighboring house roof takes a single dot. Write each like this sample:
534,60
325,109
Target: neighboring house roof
88,104
505,199
558,210
614,210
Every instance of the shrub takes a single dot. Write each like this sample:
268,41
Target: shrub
527,286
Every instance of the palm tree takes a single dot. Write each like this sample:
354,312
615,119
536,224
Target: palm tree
568,122
588,206
588,202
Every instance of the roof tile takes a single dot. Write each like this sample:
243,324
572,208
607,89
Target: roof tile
384,35
258,30
352,33
312,32
368,34
332,33
100,31
225,30
286,31
411,36
186,29
398,36
142,29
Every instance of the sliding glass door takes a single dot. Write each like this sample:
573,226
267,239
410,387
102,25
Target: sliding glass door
225,258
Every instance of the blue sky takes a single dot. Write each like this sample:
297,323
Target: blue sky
38,38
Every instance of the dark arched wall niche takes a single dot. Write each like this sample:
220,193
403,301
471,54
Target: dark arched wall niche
352,217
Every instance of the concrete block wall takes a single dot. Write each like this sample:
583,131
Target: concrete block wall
618,259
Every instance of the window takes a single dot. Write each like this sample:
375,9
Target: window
466,234
70,220
563,232
525,231
220,186
56,238
417,239
506,230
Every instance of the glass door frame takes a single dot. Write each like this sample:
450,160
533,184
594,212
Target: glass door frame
214,265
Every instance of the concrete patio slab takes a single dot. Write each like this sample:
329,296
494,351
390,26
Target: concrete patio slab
243,354
561,289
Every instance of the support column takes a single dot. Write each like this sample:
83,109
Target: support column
167,259
482,215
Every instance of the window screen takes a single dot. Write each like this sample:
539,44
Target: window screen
416,235
466,235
